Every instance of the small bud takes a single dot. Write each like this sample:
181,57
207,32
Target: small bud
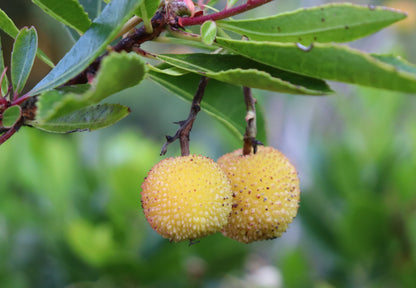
182,7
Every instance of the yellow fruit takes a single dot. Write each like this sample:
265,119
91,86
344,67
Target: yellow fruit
265,194
186,198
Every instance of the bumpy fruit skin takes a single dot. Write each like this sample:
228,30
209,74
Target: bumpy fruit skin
186,198
265,194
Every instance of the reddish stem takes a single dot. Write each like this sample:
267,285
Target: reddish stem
3,101
20,100
188,21
8,134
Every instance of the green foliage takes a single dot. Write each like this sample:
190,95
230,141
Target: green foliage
70,205
363,192
23,56
338,22
7,25
89,46
238,70
4,85
268,60
146,11
327,61
11,116
68,12
85,119
93,8
208,32
118,71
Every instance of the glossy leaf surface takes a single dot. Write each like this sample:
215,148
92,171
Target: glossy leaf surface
86,119
90,45
68,12
238,70
7,25
146,11
118,72
326,61
11,116
23,57
208,32
339,22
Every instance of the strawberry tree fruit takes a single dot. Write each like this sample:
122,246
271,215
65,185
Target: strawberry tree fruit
186,197
265,194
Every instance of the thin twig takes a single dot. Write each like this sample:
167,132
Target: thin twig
133,40
186,125
250,141
9,133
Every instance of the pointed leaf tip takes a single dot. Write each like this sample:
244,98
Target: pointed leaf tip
23,57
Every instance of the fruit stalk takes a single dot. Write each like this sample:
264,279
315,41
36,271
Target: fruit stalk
251,128
186,125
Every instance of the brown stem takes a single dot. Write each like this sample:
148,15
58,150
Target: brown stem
250,141
186,125
133,40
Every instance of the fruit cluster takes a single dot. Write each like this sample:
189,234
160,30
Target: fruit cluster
248,198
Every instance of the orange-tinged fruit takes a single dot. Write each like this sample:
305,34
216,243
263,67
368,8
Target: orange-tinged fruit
265,194
186,198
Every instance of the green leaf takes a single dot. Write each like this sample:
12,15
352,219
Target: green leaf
192,43
23,57
55,103
231,3
90,45
208,32
118,71
168,69
238,70
7,25
327,23
146,11
326,61
397,62
11,116
92,7
223,101
69,12
42,56
86,119
4,85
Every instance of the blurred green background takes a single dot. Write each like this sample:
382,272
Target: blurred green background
70,212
